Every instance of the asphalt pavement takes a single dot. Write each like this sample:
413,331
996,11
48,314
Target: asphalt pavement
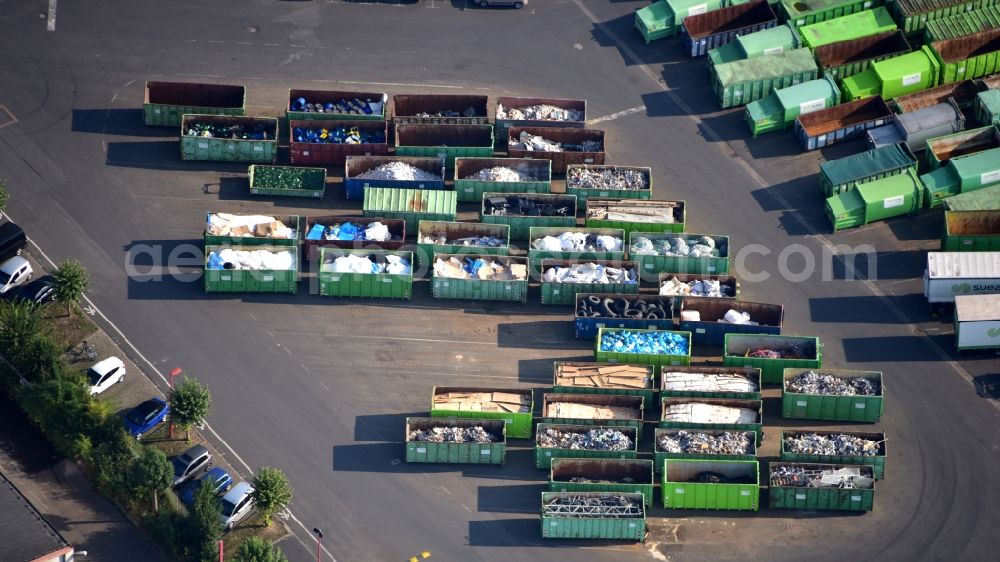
320,387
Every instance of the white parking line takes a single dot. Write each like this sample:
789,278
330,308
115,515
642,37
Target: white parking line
51,23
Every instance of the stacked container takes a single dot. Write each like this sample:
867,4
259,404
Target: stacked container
968,57
338,111
962,175
675,211
511,290
914,15
218,149
876,200
367,285
829,407
961,24
537,172
770,41
942,149
444,141
779,110
845,28
603,475
565,293
838,176
805,12
743,81
877,462
737,486
894,77
454,231
411,205
847,58
354,166
332,154
456,453
643,191
971,231
713,326
507,103
545,455
560,160
664,17
842,122
294,182
987,107
521,219
707,31
164,103
915,128
440,109
738,348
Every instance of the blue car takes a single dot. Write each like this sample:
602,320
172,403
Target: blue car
217,478
145,416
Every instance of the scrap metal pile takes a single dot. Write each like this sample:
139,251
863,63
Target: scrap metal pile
699,412
479,241
540,112
676,246
370,264
256,131
674,287
648,342
812,382
791,350
501,174
721,443
372,232
243,226
535,143
840,444
468,112
524,207
663,212
352,106
590,273
800,477
578,242
597,439
479,268
448,434
337,135
585,480
257,260
604,506
707,382
620,179
594,306
397,171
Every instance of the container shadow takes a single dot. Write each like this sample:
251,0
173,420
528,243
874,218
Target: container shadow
237,188
926,225
126,122
526,532
859,309
763,513
382,427
726,126
380,457
146,266
690,81
162,155
622,27
519,465
899,348
659,104
546,334
805,210
893,265
776,144
522,498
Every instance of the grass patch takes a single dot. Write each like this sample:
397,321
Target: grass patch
159,437
69,330
253,527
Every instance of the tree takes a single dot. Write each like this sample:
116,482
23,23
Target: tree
271,492
71,282
206,523
190,403
4,195
20,325
152,473
256,549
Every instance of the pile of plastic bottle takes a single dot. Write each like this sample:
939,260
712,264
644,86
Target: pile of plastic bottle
658,342
344,107
222,131
337,135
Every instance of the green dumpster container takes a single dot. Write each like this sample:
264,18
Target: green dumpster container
449,237
444,141
474,288
166,102
682,487
536,177
940,184
545,454
622,521
514,406
642,189
876,200
222,280
838,176
663,18
846,58
590,409
537,233
729,285
599,378
196,147
522,211
743,81
876,460
845,28
287,181
783,495
633,215
660,454
455,453
972,56
659,360
411,205
770,41
805,12
831,407
347,106
779,110
962,24
963,143
751,373
976,171
554,292
369,285
674,415
604,475
795,351
895,77
659,263
985,199
971,231
218,230
914,15
509,107
987,107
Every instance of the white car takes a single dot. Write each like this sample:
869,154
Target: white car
104,374
236,505
14,272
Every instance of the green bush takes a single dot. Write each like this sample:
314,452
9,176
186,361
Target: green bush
256,549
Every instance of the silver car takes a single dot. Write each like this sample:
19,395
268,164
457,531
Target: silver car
236,505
